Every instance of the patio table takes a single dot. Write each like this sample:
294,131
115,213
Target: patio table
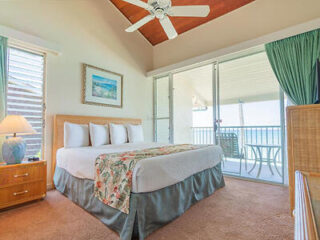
258,153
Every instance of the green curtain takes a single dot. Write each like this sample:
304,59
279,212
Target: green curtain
3,83
293,61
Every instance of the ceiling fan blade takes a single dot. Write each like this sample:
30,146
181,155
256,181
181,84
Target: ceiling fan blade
140,23
168,27
139,4
189,11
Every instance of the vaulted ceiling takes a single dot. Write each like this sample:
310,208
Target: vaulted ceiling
153,31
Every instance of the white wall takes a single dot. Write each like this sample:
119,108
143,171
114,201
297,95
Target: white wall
87,32
254,20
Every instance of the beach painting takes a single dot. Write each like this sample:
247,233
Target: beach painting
102,87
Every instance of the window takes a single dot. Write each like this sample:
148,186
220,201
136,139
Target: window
25,95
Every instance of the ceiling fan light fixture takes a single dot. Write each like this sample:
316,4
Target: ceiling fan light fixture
159,13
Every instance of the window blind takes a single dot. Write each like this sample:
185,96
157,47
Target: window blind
25,94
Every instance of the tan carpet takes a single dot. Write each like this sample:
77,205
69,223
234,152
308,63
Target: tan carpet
242,211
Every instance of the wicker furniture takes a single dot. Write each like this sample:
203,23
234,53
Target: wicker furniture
303,132
307,206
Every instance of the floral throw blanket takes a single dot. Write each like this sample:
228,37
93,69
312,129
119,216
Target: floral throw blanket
113,179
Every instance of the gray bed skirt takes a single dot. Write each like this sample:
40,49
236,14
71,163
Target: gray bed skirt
148,211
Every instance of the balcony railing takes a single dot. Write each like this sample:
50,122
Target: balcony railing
264,135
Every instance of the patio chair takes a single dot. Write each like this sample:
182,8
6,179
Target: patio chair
230,146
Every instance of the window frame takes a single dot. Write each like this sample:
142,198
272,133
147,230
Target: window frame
44,88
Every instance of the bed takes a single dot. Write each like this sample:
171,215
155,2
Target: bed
163,187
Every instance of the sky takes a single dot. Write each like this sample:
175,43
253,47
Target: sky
264,113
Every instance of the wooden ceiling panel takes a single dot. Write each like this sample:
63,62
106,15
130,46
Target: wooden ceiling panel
153,31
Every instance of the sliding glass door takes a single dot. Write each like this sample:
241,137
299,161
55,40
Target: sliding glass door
236,104
194,105
185,106
250,118
162,109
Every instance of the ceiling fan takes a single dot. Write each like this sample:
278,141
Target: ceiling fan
161,9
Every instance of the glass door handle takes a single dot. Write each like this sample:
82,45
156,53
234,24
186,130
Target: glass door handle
215,127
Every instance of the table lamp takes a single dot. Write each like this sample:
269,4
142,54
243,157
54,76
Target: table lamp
14,148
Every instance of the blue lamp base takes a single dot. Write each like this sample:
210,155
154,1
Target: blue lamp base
13,150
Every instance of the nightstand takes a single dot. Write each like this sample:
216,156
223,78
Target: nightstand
23,182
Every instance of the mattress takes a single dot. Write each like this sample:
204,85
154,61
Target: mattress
149,174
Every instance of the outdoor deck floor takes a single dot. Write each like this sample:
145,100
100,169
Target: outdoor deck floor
232,167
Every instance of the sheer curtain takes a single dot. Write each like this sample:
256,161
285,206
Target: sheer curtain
293,61
3,83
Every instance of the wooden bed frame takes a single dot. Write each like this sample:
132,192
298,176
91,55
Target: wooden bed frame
58,129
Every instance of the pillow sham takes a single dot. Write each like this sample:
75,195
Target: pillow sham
99,134
118,133
135,133
76,135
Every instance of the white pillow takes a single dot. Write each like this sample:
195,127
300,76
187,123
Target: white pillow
76,135
135,133
99,134
118,134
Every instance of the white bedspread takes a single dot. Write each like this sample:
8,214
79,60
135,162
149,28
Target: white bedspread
149,174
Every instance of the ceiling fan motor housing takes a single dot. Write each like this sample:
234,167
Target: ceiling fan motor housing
160,7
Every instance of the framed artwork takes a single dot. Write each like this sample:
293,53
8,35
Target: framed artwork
102,87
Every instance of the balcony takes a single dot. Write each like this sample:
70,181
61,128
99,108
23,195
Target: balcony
249,151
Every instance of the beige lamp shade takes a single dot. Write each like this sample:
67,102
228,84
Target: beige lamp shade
15,124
